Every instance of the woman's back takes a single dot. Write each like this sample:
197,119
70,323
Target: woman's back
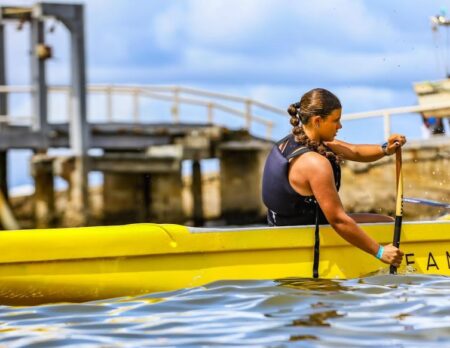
287,206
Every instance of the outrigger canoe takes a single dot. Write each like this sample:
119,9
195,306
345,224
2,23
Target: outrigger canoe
88,263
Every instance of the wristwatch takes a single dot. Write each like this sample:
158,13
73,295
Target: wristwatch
384,148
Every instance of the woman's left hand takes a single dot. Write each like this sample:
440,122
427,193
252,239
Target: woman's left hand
394,142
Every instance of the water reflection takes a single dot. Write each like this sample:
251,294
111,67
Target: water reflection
321,285
396,311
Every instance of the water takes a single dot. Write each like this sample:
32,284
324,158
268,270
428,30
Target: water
383,310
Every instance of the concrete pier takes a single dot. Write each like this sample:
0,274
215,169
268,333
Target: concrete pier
166,204
370,187
44,193
124,198
241,167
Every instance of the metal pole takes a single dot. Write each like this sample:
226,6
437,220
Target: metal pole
79,132
3,111
73,17
3,96
38,79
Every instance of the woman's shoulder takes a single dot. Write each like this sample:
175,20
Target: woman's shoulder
311,160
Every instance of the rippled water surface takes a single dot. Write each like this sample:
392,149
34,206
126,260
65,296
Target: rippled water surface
384,310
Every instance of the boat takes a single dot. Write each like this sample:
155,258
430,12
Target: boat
90,263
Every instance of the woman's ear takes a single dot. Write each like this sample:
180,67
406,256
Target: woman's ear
316,121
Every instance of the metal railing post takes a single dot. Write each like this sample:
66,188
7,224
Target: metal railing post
175,106
136,110
109,112
386,125
69,104
210,113
248,114
269,129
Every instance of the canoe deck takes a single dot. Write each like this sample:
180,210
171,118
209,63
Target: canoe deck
81,264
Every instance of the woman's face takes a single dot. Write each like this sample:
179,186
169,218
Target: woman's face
329,126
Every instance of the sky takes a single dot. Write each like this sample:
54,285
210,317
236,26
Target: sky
369,53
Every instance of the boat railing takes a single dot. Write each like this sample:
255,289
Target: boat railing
133,102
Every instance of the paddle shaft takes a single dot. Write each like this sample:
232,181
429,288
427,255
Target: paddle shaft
398,203
428,202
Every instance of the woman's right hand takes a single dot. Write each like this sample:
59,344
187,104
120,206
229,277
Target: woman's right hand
392,255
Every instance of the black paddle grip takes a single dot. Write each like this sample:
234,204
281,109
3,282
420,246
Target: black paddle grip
396,241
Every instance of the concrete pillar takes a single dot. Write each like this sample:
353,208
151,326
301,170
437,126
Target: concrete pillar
240,184
79,191
197,194
165,198
78,204
44,194
124,198
77,210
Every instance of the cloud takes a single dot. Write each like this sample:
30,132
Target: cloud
367,52
275,27
249,45
166,28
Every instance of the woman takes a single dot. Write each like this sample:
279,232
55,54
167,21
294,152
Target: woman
302,174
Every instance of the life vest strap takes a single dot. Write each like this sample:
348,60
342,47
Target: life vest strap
316,245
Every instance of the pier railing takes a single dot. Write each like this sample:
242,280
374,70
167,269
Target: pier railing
217,107
136,103
387,114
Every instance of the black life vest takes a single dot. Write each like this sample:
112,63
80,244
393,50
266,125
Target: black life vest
285,206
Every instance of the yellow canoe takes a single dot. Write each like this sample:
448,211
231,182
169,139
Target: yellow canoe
80,264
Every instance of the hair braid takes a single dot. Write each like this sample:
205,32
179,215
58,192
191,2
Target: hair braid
302,138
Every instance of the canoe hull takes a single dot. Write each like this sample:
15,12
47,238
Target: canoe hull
82,264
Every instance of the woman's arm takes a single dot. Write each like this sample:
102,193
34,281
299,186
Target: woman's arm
366,153
319,175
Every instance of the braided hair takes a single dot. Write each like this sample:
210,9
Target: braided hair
316,102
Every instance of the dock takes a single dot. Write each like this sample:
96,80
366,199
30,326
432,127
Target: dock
140,157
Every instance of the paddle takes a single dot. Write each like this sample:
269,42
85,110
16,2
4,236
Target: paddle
398,203
426,202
